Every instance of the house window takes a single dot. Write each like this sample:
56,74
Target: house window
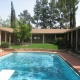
36,37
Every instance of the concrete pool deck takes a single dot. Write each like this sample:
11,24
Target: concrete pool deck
72,60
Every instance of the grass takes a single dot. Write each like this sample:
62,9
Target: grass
39,46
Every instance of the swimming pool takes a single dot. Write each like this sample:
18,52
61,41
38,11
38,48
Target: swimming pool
37,66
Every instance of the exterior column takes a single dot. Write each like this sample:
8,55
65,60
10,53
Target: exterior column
0,37
43,38
5,37
55,36
31,38
9,38
68,36
71,37
76,39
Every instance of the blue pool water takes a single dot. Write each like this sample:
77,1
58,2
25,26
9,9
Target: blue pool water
37,66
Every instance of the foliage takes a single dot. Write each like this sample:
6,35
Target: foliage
66,13
62,43
23,27
26,16
13,17
36,16
5,23
52,13
44,14
40,17
23,31
55,13
59,41
4,45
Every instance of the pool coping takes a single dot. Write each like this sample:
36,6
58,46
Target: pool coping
70,65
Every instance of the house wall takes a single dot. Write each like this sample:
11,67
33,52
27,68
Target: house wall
74,40
2,36
5,37
37,38
48,38
78,39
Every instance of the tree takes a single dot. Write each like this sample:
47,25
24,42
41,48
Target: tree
36,16
60,9
66,12
23,31
74,3
55,13
26,16
13,18
44,14
52,14
5,23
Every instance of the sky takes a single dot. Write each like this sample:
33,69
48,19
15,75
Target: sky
20,5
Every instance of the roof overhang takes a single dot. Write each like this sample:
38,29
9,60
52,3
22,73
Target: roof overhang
49,31
10,30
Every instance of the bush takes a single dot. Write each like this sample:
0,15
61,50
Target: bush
59,41
4,45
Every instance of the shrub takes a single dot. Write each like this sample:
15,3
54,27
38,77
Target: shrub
59,41
4,45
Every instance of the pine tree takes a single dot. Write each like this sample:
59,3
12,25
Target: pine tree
52,7
66,13
13,18
25,16
44,14
36,16
73,8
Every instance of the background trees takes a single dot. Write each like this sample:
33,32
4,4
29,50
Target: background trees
48,14
23,30
52,14
73,8
26,16
36,17
22,26
55,13
5,23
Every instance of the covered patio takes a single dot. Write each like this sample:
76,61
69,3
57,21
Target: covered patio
6,35
44,36
73,36
47,35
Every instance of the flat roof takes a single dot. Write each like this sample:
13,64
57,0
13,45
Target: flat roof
6,29
49,31
42,31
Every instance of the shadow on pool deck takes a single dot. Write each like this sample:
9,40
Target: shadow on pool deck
72,60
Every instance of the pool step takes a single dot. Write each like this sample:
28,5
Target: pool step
6,74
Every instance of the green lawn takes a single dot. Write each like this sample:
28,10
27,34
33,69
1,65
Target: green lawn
42,46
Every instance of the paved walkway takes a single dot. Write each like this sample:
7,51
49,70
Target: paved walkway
74,61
